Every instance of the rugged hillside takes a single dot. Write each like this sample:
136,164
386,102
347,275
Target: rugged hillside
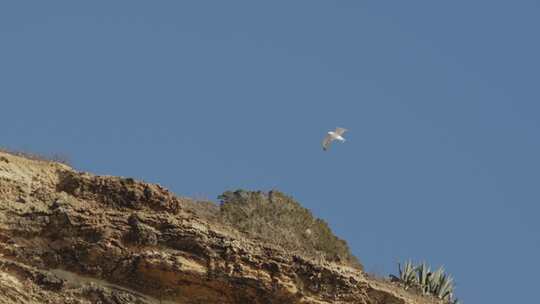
71,237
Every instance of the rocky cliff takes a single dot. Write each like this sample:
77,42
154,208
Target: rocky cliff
72,237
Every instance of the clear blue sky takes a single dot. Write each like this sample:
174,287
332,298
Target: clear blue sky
441,99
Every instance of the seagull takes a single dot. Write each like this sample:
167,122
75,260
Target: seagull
333,135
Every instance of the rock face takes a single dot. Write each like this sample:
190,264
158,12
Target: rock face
70,237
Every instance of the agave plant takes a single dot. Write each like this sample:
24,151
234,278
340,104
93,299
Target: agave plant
407,275
438,283
423,273
433,284
445,287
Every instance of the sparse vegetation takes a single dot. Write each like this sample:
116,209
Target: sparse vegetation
202,208
279,219
421,278
56,157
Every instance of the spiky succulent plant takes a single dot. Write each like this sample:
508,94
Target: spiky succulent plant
423,273
437,283
407,274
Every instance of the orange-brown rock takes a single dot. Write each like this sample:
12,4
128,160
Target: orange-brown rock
70,237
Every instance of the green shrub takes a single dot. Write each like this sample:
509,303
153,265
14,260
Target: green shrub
279,219
438,283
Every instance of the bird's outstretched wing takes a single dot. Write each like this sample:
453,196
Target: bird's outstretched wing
326,142
340,131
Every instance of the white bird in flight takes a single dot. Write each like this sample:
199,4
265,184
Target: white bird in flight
333,135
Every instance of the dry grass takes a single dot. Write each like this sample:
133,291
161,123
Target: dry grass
56,157
202,208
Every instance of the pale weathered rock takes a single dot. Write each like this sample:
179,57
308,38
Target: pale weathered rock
80,238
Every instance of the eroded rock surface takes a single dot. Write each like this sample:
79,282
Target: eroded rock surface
70,237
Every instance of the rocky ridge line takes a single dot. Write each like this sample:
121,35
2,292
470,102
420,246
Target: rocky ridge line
71,237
